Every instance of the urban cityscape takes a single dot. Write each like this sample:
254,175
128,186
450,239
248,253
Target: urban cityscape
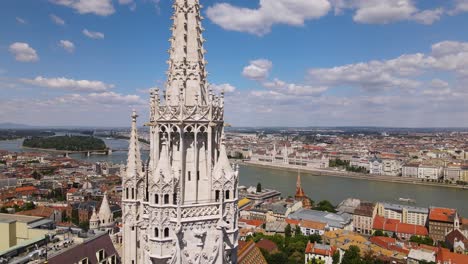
359,163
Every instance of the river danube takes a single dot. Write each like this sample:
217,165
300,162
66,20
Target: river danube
317,188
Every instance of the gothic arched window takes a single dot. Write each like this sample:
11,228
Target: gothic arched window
166,232
156,199
156,232
217,195
166,198
174,198
227,195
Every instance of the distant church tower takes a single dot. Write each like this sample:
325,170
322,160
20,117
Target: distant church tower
181,207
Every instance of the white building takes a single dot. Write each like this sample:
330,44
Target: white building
391,167
429,172
319,253
410,170
404,213
181,206
104,220
375,166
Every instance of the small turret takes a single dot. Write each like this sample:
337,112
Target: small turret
94,220
105,214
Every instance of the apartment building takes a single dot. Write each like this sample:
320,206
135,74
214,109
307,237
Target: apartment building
404,213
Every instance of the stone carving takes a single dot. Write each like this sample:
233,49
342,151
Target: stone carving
186,194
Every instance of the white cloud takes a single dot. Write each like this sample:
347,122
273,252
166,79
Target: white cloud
387,11
69,84
67,45
270,12
106,98
428,17
460,7
225,87
294,89
23,52
257,69
95,109
93,34
401,72
57,20
97,7
21,20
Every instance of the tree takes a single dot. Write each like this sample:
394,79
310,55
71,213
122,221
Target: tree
315,238
36,175
325,206
277,258
422,240
336,257
296,257
259,187
84,226
287,231
351,256
379,233
29,206
297,231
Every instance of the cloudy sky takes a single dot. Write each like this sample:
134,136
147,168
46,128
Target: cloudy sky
281,62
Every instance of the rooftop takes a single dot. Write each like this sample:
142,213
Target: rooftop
442,214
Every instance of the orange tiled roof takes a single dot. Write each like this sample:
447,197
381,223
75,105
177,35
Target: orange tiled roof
292,221
249,253
267,244
312,249
72,190
26,189
255,223
442,214
445,256
41,211
312,225
392,225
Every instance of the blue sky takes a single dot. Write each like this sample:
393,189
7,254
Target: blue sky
281,62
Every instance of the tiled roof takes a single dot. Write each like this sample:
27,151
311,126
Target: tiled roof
41,211
255,223
249,253
445,256
26,189
312,225
267,244
319,249
442,214
88,249
392,225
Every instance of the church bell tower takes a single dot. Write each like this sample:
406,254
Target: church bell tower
181,207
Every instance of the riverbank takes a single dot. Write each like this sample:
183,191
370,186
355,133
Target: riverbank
345,174
62,151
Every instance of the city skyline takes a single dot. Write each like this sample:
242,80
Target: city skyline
293,63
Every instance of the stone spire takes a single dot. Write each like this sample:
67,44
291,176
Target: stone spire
299,191
94,220
134,164
105,213
186,82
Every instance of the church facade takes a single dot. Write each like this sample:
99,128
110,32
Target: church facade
180,206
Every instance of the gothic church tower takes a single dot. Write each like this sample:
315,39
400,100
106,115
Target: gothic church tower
182,206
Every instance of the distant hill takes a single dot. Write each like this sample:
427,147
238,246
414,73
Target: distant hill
13,126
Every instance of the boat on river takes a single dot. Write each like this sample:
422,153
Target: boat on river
407,200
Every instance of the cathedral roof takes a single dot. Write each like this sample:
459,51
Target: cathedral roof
105,211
